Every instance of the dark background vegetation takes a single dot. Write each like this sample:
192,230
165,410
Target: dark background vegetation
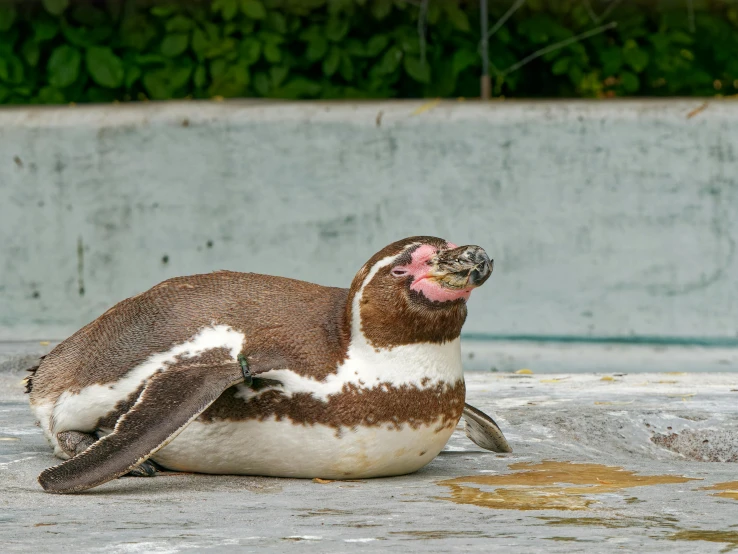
60,51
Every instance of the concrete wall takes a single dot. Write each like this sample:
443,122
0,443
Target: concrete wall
605,219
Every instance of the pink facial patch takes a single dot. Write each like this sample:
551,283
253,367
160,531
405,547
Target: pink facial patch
422,281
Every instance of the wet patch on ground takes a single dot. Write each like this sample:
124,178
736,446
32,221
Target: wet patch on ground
729,538
726,490
549,485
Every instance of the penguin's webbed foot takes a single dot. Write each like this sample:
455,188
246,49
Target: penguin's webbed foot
74,443
145,469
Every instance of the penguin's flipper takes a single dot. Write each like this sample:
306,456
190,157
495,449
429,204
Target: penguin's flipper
483,431
170,400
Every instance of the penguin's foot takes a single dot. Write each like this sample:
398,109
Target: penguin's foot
76,442
145,469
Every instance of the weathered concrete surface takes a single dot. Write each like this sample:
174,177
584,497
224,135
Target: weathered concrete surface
561,421
511,356
604,218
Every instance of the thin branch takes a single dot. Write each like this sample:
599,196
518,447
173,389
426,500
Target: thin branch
592,15
612,6
500,22
690,10
422,18
485,88
559,45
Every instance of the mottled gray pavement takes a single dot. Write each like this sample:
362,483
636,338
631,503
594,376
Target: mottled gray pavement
657,427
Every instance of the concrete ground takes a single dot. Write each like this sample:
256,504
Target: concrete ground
602,462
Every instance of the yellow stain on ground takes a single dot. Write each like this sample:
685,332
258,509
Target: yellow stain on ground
524,372
607,378
44,343
548,485
427,106
727,490
726,537
613,403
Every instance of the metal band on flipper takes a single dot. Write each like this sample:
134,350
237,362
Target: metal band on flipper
170,400
483,431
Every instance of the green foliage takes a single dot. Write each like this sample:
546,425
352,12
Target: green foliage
58,51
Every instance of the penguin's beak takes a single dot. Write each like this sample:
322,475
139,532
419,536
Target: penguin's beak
465,267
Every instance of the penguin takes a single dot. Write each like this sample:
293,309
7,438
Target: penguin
243,373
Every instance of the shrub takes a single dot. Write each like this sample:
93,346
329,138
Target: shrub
58,51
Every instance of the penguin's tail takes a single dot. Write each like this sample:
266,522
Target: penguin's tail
29,380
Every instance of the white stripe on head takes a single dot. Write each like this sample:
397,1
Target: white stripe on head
356,302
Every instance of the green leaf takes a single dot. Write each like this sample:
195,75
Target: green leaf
272,53
249,51
331,61
31,52
316,49
253,9
12,70
634,56
137,32
299,87
100,95
218,68
231,83
389,62
63,66
200,76
278,75
89,15
277,22
347,67
629,81
463,59
561,66
50,95
7,16
262,84
55,7
612,60
376,45
85,36
161,11
44,29
381,9
336,29
417,69
133,74
356,48
163,83
576,75
680,37
200,43
179,24
105,68
457,17
151,59
175,44
227,8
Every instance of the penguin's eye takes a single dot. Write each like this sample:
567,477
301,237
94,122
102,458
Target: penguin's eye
399,272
